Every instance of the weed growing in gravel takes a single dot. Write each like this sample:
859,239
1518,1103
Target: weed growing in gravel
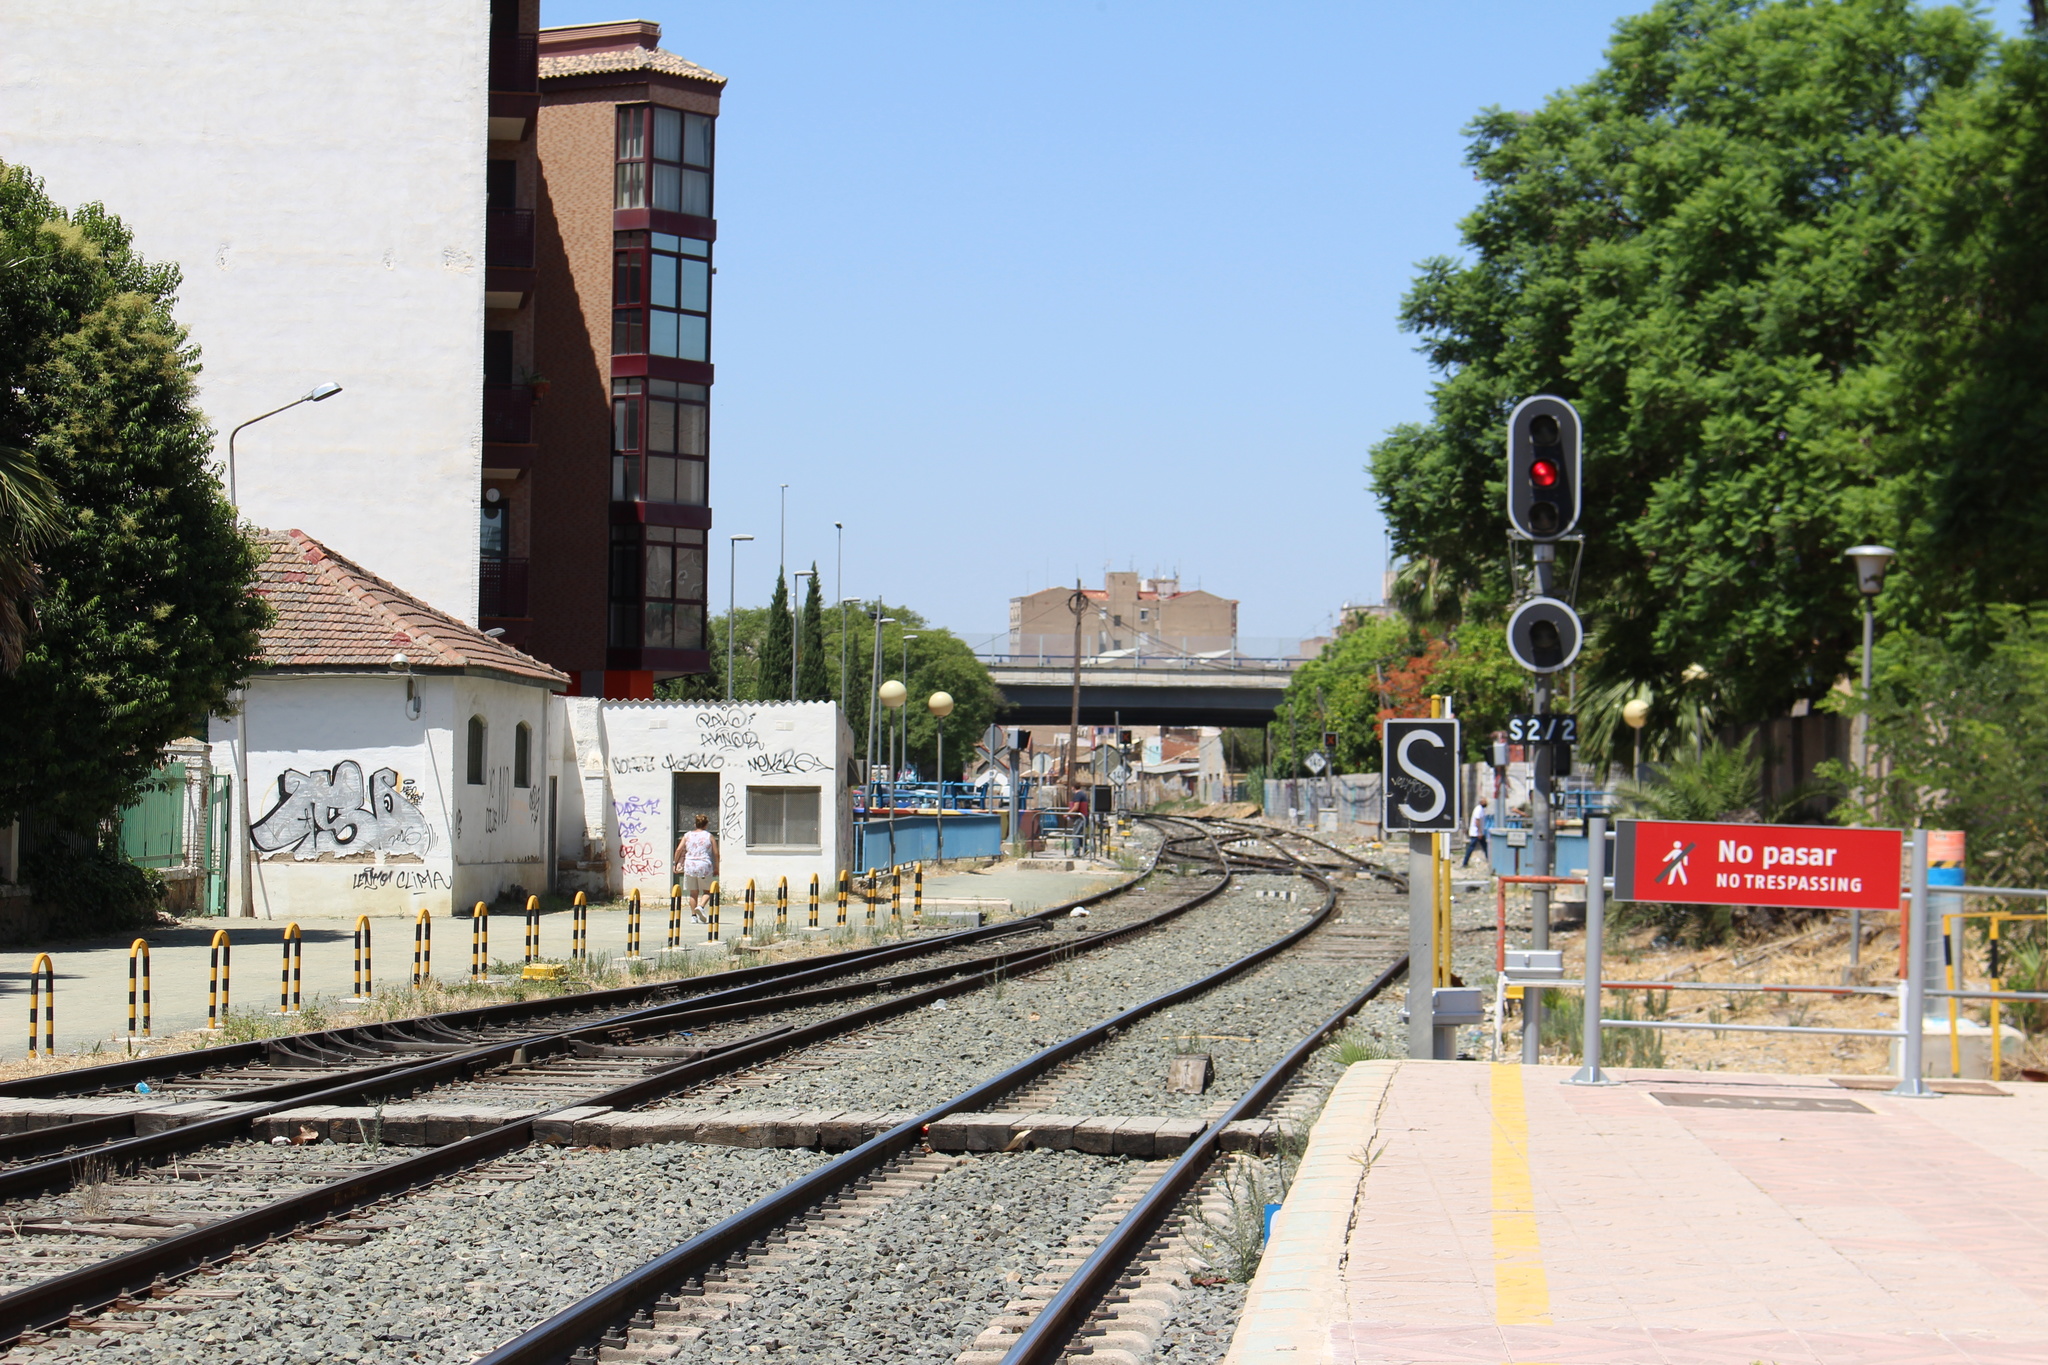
373,1135
94,1199
251,1026
1352,1045
1234,1242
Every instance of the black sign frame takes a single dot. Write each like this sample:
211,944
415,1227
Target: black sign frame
1421,776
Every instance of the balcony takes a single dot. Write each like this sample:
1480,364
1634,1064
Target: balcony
508,414
501,587
515,62
508,238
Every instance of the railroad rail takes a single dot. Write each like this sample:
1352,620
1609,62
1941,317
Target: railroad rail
62,1297
625,1317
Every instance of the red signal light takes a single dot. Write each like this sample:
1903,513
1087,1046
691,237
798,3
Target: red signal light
1542,473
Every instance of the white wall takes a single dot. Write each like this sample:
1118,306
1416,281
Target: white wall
643,745
357,808
318,173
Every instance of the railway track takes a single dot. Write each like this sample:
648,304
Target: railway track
329,1198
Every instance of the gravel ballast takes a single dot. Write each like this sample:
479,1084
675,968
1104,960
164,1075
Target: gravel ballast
937,1052
467,1273
922,1276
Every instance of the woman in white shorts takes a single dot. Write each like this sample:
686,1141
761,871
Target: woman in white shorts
697,853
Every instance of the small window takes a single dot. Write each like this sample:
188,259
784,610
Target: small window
522,755
478,732
782,816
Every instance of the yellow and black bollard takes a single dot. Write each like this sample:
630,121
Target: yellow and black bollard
633,926
917,893
219,967
422,949
480,943
843,879
814,900
580,933
896,898
711,912
867,889
363,971
42,996
747,915
532,929
138,969
675,916
290,998
782,906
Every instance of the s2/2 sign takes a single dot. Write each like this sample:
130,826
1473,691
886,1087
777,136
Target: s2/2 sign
1811,866
1422,776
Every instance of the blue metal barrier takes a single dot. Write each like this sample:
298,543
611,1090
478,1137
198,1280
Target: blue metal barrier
916,839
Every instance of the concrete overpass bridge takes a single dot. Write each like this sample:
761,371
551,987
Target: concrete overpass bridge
1167,691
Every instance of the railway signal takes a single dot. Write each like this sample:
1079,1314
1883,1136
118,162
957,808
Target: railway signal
1544,635
1543,468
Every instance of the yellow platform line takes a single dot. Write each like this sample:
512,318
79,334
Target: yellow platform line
1521,1292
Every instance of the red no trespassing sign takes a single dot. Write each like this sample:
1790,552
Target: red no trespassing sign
1810,866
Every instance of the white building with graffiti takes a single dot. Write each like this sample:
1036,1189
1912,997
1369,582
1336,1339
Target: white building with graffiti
771,778
387,757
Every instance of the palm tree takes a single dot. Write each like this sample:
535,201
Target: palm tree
29,511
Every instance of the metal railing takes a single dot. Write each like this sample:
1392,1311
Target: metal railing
508,414
515,62
1164,662
501,587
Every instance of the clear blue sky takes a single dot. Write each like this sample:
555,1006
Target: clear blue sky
1020,291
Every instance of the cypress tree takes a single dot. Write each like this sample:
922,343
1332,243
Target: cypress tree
772,683
813,679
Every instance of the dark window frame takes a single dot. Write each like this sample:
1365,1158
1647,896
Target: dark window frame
644,471
641,133
659,587
522,755
477,767
638,257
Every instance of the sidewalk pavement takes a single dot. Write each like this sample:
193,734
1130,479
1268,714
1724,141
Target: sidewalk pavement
1465,1212
92,974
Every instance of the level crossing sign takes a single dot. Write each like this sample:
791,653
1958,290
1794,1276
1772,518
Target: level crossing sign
1422,776
1816,867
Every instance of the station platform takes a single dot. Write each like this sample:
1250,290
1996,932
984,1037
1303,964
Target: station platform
1465,1212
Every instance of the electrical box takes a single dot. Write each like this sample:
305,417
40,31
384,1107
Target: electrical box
1535,964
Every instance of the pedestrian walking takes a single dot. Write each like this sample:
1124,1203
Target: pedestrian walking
1476,831
697,852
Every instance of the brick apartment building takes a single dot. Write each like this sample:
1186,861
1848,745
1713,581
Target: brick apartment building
1139,617
597,358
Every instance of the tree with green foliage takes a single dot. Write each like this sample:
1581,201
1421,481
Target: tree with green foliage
814,678
1706,247
772,676
30,515
145,623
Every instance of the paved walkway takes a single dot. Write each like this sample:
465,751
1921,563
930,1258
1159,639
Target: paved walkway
92,974
1465,1212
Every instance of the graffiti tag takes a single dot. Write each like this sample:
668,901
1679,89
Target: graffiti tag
788,761
400,878
332,810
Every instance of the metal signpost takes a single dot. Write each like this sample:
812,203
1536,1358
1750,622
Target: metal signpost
1422,798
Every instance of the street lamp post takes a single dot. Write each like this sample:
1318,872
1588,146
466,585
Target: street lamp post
732,560
1871,561
839,586
892,694
903,720
319,393
796,634
940,704
874,684
1637,713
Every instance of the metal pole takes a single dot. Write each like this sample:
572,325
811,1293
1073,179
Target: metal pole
1913,1007
1077,602
1542,856
941,775
1421,947
782,550
839,586
1863,764
732,560
1596,931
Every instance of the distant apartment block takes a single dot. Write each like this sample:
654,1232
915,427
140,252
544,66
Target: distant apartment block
1129,615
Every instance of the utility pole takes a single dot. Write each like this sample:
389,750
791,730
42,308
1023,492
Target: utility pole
839,586
1077,603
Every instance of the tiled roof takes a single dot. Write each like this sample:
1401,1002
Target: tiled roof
623,60
333,613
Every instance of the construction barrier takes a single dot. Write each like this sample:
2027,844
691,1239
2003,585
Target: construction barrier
844,878
138,970
675,916
579,938
219,967
747,915
633,926
532,929
290,998
480,942
42,997
814,900
422,949
917,894
363,970
782,906
711,911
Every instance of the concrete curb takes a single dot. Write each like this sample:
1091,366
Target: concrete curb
1298,1294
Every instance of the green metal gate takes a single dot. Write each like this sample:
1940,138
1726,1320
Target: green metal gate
153,829
214,849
